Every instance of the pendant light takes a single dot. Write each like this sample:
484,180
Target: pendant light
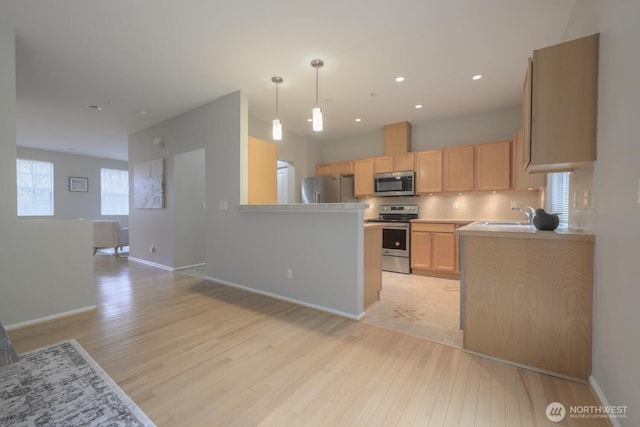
316,113
277,126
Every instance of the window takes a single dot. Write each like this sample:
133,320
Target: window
558,196
35,187
114,192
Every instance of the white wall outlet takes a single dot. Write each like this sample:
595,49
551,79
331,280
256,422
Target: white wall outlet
224,205
513,204
204,206
456,205
152,248
289,273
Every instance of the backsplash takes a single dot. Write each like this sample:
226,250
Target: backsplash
581,195
471,206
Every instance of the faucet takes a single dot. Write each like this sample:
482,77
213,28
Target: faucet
529,212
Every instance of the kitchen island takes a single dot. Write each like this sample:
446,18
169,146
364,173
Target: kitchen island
527,295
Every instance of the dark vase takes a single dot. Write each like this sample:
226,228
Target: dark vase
545,221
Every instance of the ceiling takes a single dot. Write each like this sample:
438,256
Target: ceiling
145,61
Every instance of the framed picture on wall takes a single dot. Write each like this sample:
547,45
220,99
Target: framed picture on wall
78,184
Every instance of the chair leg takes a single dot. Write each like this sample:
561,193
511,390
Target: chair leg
94,251
116,251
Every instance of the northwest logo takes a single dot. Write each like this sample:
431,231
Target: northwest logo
556,412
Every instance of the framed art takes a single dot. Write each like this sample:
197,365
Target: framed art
78,184
148,184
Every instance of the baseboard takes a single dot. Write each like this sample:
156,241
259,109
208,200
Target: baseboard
187,267
47,319
152,264
602,398
287,299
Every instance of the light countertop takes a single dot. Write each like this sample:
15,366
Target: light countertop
523,232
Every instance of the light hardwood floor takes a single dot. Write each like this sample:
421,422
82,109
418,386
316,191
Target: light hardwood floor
191,352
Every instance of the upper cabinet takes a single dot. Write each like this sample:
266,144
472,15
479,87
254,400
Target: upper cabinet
397,163
428,166
397,138
363,177
560,106
458,168
335,168
493,166
521,180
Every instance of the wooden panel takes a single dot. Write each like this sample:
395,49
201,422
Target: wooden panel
493,166
458,165
428,171
363,177
383,164
519,178
526,113
263,172
343,168
397,138
530,301
444,252
323,169
404,162
564,105
433,227
372,265
421,250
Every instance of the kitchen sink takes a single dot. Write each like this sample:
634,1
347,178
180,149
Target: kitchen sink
512,226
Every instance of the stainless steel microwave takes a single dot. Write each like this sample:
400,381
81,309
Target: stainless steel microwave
394,184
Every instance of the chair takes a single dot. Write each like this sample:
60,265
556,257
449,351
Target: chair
109,234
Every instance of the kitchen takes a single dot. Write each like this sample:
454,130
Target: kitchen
485,184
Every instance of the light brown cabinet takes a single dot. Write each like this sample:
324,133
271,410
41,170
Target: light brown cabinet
363,177
397,138
397,163
428,166
530,301
458,168
493,166
372,264
563,90
335,168
519,178
263,168
435,249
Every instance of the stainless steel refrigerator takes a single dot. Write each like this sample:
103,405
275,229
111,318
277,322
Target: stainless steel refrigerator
328,189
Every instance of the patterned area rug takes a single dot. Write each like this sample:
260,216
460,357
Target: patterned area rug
425,307
62,385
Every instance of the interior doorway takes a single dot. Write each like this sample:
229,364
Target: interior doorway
286,182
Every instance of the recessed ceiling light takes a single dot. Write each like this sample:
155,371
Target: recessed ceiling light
419,106
358,120
309,120
143,112
399,79
477,77
94,107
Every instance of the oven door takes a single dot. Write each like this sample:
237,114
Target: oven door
396,239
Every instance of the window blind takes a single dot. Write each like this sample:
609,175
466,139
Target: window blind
558,196
35,187
114,192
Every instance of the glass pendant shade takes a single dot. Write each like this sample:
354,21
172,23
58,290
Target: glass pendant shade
316,118
277,130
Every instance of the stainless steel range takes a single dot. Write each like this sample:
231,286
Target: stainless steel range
396,236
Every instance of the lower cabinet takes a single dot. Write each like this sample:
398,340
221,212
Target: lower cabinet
435,249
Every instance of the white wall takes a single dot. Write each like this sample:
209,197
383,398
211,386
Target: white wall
466,130
190,242
73,205
251,249
46,265
616,341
